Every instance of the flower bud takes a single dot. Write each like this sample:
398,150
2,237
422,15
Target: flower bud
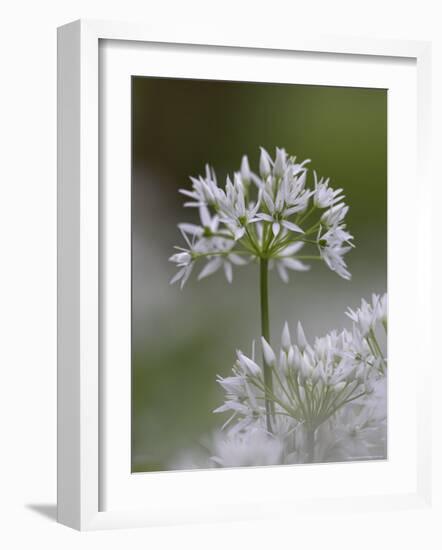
247,364
280,163
269,355
245,170
302,340
181,258
264,164
285,338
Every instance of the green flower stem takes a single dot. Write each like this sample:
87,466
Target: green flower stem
265,331
289,239
307,214
252,240
266,392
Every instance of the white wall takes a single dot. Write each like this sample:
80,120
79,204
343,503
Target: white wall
28,254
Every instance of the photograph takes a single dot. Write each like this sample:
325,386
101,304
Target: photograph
259,274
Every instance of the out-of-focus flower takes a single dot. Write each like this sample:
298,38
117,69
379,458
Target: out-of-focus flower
368,314
254,447
357,432
311,382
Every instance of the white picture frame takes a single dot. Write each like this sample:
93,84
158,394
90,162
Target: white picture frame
81,441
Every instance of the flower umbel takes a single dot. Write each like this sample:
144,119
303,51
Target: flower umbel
313,384
270,215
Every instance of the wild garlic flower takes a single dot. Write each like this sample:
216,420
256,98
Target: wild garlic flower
205,190
183,260
266,216
368,315
324,196
335,242
235,213
356,432
329,397
367,319
254,447
241,396
311,382
283,191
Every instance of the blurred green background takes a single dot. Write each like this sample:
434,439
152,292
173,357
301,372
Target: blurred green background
182,339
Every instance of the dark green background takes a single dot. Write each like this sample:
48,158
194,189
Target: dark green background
182,339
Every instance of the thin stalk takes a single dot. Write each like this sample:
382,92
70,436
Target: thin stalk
265,331
373,338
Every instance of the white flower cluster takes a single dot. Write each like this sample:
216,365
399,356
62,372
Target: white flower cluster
269,215
304,402
369,315
328,397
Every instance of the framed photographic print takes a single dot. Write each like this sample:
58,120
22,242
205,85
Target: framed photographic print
233,273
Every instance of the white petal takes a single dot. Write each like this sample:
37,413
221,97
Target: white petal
264,163
292,249
188,193
193,204
285,338
210,268
295,265
264,217
191,228
292,226
228,271
294,209
275,228
237,260
302,340
214,223
282,272
185,237
187,272
205,216
177,276
245,169
269,201
248,363
238,233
